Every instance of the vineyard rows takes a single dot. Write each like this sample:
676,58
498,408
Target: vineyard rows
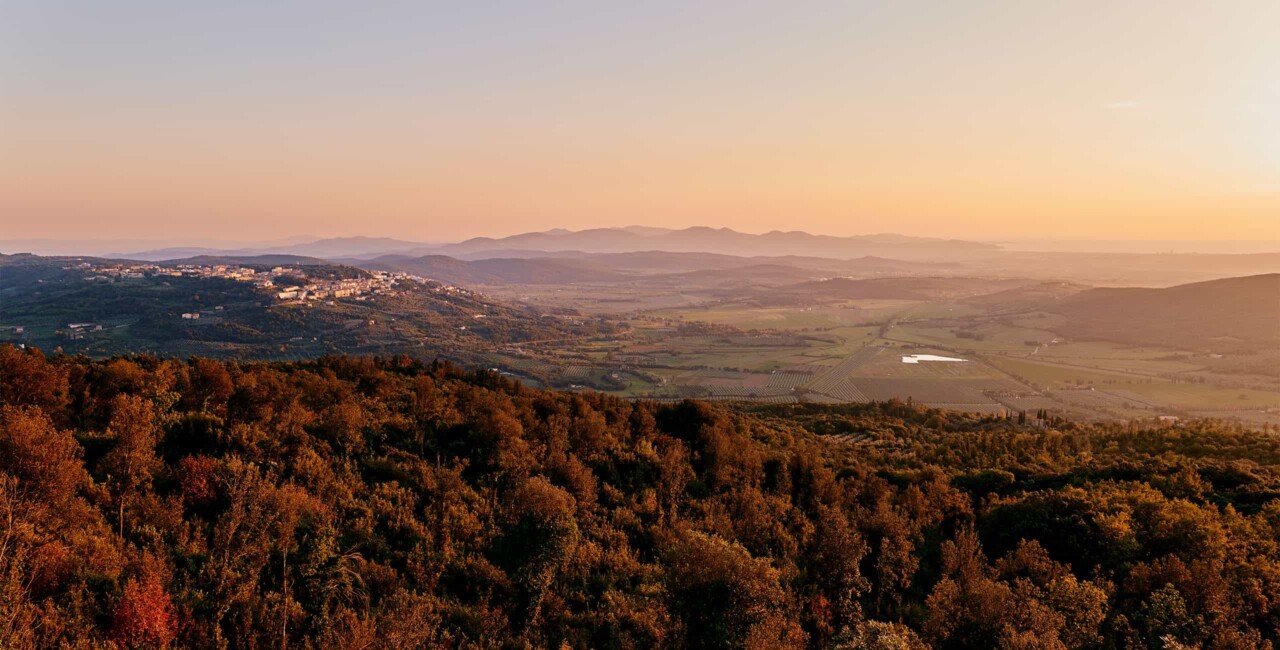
788,380
846,391
833,378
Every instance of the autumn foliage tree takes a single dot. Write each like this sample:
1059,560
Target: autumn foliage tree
390,503
144,616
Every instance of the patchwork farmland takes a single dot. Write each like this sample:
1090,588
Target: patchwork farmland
853,352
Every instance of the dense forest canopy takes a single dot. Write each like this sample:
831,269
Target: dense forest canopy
354,502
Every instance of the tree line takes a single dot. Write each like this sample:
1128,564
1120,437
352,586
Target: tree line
359,502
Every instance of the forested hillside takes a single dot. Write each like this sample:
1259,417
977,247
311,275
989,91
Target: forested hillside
124,313
352,502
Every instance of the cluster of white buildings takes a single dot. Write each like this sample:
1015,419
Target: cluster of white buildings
271,282
142,270
379,283
75,331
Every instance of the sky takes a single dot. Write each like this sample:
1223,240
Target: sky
439,121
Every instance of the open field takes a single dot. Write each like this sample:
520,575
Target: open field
852,313
777,334
852,352
1050,375
890,364
944,391
841,340
1195,396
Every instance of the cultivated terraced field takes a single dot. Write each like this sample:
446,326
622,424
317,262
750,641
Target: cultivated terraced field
847,391
788,380
928,391
834,377
806,369
747,391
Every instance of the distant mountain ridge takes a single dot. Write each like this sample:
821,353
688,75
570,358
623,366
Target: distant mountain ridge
647,266
647,250
630,239
332,248
271,259
703,239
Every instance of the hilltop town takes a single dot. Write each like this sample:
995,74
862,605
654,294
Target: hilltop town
285,283
102,306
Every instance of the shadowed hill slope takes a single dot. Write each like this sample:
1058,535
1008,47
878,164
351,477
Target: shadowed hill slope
498,270
1235,313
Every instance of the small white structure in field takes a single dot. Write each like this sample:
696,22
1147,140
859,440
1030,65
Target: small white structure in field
917,358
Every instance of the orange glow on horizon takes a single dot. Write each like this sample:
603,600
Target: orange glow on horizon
1113,122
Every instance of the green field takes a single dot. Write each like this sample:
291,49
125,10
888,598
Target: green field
1051,375
1199,396
793,318
1019,362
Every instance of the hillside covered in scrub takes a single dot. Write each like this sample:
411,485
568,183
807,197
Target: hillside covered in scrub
101,307
354,502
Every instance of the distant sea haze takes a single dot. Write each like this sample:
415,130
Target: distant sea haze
1225,247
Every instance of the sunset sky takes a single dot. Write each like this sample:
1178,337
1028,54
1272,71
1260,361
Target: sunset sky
439,121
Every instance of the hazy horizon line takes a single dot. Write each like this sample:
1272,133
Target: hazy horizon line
304,238
125,246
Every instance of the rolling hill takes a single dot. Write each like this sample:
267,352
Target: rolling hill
757,275
1235,314
725,241
77,305
901,288
265,259
1036,294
